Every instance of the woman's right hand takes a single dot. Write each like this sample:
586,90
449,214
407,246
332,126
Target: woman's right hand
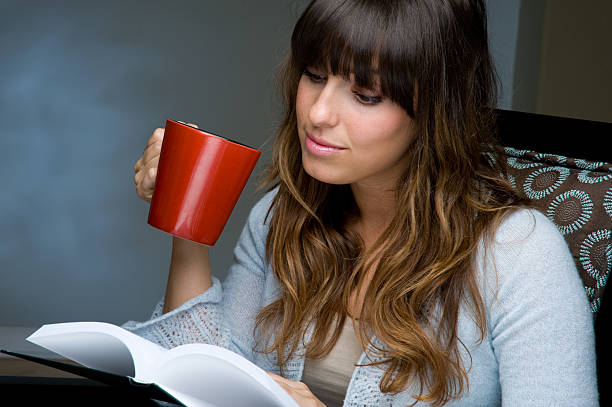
145,169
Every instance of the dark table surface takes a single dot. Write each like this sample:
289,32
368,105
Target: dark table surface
61,391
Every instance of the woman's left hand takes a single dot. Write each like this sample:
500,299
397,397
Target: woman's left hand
299,391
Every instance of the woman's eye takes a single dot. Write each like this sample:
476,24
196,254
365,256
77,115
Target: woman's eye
314,77
367,100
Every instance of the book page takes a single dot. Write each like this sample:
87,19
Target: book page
99,346
219,377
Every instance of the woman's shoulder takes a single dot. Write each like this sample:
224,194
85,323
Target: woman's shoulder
527,235
252,242
528,253
260,212
258,222
525,226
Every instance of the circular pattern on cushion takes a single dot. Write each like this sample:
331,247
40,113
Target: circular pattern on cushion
607,202
591,296
587,229
515,152
596,255
571,210
543,181
553,158
588,165
521,163
592,177
490,157
512,181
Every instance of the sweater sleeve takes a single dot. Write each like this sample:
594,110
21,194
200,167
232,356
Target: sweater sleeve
540,322
224,314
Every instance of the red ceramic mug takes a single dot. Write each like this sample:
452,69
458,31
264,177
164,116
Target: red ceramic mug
199,179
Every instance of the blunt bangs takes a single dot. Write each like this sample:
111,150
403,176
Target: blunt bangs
367,39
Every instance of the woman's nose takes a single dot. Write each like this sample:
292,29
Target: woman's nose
324,110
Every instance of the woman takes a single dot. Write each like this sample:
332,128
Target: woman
390,263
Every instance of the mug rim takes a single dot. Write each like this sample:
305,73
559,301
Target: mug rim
213,134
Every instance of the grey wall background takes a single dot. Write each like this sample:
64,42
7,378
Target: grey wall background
561,62
82,86
576,60
503,21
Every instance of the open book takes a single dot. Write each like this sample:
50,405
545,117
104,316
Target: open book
193,374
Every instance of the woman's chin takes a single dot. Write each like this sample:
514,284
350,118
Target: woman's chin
325,175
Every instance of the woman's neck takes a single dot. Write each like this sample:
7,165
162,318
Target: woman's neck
376,208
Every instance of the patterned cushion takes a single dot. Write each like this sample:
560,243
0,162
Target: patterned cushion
576,195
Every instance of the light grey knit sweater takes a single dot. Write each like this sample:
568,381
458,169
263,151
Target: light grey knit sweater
539,349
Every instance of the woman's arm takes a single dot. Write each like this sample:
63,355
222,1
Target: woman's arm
223,314
189,273
190,265
540,320
196,306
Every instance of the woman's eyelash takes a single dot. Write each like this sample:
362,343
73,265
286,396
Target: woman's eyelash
363,99
368,100
314,77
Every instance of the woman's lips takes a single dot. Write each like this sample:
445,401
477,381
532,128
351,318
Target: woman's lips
320,147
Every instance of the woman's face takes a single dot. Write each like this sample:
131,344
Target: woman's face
350,135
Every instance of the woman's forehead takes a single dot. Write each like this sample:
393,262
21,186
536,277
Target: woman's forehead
366,42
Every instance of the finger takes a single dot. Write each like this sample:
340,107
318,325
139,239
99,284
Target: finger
286,382
276,377
138,177
152,149
284,386
152,152
148,181
145,183
157,136
154,163
299,391
138,165
147,196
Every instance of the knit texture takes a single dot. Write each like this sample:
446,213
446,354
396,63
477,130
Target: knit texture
538,350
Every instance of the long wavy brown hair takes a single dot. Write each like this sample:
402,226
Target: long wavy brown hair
431,58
